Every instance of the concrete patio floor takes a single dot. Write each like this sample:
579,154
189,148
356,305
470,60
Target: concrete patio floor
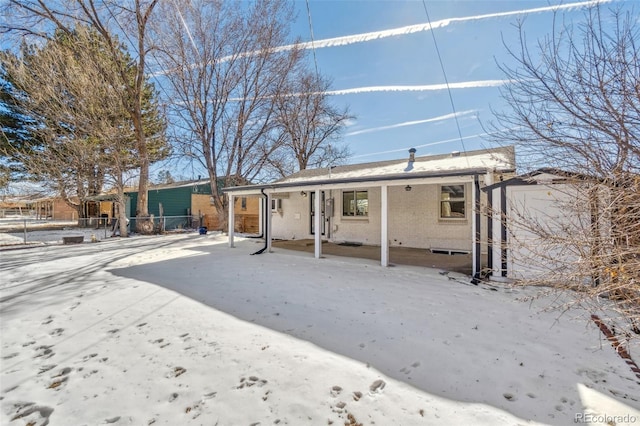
461,263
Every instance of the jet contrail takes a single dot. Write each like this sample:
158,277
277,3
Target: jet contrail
411,123
416,88
410,29
420,88
418,146
479,135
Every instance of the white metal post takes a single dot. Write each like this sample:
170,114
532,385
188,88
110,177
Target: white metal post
384,238
232,224
475,229
261,217
269,213
317,224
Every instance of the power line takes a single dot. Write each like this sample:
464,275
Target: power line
444,73
313,49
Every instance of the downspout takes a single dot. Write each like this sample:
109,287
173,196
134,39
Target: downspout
266,210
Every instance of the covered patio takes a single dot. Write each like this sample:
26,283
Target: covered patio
456,262
432,204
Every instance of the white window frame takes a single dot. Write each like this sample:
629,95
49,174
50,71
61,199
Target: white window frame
441,201
355,214
276,205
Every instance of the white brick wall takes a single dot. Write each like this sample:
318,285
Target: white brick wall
413,219
292,222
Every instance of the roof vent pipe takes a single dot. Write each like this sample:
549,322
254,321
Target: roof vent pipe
412,154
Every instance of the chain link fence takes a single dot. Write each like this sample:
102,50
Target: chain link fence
163,224
17,229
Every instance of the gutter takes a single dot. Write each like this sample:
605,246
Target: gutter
266,210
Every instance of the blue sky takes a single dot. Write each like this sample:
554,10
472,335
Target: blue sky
387,79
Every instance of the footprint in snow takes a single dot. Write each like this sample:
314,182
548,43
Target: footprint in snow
177,371
88,357
60,379
377,386
44,352
509,396
335,391
160,343
45,368
252,381
32,413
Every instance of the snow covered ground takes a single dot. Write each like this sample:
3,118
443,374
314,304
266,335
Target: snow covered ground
183,330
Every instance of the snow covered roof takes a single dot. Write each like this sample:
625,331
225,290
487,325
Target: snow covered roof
456,163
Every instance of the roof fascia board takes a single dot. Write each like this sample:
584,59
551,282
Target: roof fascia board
355,182
511,182
530,178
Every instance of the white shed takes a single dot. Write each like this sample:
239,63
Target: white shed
536,224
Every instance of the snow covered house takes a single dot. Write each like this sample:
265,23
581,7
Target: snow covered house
431,202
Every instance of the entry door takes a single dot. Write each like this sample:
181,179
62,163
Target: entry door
313,213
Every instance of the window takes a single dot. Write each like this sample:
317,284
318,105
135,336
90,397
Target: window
355,203
452,202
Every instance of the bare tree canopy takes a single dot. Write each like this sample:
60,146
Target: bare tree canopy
574,101
241,106
107,18
308,126
228,77
574,104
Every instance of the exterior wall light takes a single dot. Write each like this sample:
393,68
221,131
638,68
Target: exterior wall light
407,188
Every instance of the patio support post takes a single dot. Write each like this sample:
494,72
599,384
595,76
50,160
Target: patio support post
268,211
476,228
317,224
231,220
384,238
261,216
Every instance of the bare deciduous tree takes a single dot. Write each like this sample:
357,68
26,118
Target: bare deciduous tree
38,17
225,68
574,104
308,126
